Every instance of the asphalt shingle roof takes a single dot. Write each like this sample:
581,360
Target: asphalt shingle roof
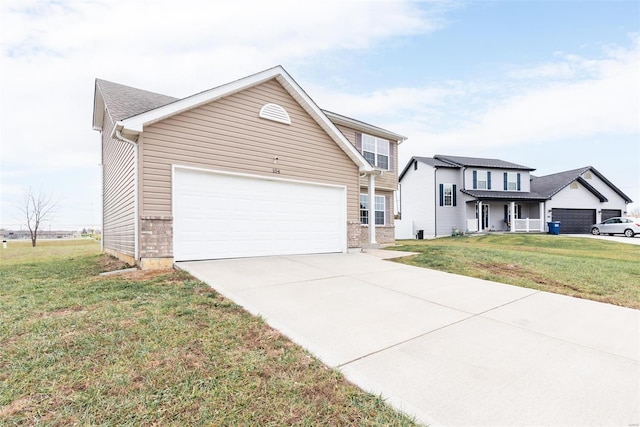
435,162
124,101
481,162
549,185
510,195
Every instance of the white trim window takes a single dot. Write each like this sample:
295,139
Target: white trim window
482,182
511,181
376,151
447,195
380,209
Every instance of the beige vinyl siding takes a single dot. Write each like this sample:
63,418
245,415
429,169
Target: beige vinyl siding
118,181
228,135
389,180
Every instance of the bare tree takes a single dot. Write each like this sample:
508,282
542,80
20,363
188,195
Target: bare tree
634,212
35,209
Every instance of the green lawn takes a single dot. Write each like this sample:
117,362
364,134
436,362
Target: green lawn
151,349
586,268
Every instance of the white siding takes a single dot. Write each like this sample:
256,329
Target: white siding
417,202
497,178
449,217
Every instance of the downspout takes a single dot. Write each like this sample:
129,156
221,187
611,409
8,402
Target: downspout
134,144
435,202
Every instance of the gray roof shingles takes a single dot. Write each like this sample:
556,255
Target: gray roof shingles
549,185
481,162
123,101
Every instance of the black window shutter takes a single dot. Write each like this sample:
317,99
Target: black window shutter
489,180
506,213
518,182
441,194
505,182
454,195
475,179
359,142
519,211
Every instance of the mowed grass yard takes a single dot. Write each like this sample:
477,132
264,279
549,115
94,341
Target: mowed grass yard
156,348
580,267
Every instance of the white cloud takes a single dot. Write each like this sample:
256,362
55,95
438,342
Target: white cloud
608,101
52,51
572,97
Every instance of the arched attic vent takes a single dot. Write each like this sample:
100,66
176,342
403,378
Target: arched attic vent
276,113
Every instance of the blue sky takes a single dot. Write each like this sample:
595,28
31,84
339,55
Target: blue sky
554,85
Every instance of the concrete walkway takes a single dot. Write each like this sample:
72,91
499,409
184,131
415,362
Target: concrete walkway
447,349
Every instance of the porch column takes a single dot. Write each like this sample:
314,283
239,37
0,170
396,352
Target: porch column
372,209
512,210
480,219
542,218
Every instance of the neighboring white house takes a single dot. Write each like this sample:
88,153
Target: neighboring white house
442,195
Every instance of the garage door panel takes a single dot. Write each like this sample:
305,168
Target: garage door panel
574,221
610,213
227,216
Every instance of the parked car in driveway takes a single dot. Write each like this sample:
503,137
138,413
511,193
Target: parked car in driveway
618,225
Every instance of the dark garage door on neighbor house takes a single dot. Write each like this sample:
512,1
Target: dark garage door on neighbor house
610,213
574,221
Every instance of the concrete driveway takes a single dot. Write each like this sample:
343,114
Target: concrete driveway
617,238
447,349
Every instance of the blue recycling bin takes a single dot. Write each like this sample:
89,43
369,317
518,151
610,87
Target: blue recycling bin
554,227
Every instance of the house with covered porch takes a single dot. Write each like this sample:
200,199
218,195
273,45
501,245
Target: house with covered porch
445,195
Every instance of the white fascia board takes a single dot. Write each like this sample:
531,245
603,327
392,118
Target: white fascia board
98,108
137,123
364,127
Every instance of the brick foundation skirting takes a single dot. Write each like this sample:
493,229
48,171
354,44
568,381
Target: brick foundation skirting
156,237
384,234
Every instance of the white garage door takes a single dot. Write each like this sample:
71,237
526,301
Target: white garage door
218,215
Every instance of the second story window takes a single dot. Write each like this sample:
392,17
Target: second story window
511,181
376,151
481,180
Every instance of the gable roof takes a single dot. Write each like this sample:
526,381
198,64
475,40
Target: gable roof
429,161
550,185
123,101
481,162
152,108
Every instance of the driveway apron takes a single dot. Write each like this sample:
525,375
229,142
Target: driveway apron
447,349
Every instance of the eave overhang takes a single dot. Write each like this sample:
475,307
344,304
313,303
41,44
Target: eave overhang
504,195
363,127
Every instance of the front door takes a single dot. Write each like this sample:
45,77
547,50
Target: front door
485,217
